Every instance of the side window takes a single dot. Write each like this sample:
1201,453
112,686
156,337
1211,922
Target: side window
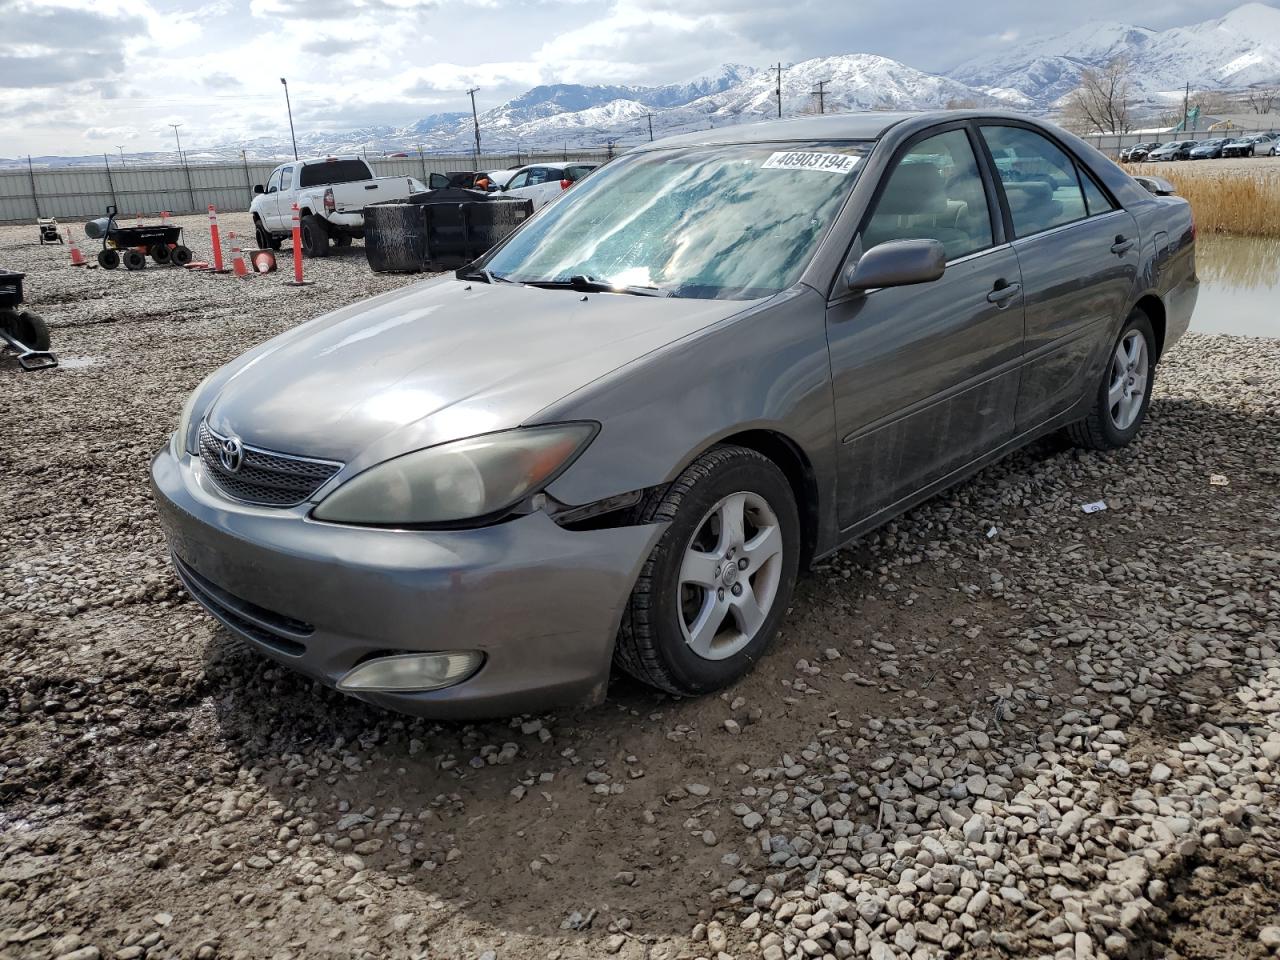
577,173
1039,180
934,193
1094,197
274,183
521,179
537,175
286,176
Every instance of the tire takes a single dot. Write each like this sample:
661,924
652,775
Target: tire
263,237
1112,423
133,260
160,253
342,240
108,259
180,255
31,329
315,237
688,639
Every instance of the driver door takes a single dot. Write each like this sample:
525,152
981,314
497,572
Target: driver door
925,377
271,205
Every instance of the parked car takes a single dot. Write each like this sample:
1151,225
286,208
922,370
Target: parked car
542,182
1248,146
619,435
1173,150
331,194
1208,149
1137,152
1274,147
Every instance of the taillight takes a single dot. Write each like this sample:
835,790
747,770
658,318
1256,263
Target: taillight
329,204
566,184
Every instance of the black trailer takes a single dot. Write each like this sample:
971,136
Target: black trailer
163,242
22,331
438,230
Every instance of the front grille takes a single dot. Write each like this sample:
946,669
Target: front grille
265,478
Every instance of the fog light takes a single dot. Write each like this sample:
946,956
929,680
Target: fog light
411,672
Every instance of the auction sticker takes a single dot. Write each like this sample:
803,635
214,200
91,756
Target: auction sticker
817,162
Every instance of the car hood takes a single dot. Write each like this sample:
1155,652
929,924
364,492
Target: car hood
436,361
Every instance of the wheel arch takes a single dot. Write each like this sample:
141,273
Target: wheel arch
790,458
1153,307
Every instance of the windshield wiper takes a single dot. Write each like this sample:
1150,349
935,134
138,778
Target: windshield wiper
480,273
586,284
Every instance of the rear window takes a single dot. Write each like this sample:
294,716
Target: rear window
578,171
333,171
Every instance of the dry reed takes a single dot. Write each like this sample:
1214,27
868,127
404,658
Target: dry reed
1232,200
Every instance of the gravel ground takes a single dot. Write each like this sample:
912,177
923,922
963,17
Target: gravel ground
1057,740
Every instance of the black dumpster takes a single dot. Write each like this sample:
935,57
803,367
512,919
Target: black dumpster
438,230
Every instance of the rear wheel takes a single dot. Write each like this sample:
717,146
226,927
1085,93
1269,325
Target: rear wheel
180,255
31,329
160,253
711,595
133,260
315,237
1124,394
108,259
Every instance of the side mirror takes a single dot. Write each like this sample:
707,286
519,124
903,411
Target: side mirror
259,188
897,263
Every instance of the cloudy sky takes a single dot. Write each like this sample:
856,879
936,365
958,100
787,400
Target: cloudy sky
79,77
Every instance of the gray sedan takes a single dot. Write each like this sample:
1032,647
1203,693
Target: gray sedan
618,437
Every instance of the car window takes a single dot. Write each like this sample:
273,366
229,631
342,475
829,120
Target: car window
286,178
274,183
934,193
723,221
1096,200
578,171
333,172
1040,184
537,175
521,179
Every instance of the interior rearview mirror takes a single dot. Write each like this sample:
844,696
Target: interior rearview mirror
897,263
259,188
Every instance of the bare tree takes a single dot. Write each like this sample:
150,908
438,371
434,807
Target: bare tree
1103,102
1262,99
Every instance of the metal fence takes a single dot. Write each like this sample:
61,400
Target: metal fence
1112,143
83,192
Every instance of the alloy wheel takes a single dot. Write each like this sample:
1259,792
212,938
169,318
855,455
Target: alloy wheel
1130,380
729,576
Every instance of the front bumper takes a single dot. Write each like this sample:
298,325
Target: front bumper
540,602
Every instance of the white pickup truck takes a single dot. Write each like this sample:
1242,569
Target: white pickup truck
331,194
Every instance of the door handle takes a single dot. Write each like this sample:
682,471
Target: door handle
371,186
1122,245
1004,291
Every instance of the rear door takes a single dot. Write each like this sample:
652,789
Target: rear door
1078,252
925,377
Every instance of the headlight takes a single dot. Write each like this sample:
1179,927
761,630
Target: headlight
462,480
182,434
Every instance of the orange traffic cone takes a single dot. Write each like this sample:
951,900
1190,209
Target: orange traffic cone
264,261
77,258
237,260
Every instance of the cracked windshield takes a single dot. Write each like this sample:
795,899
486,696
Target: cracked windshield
732,222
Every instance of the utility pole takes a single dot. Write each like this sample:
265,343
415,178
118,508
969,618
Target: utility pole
778,89
475,119
120,147
289,107
821,94
425,179
649,116
1186,102
111,184
191,190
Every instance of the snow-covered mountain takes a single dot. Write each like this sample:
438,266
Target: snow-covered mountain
1228,53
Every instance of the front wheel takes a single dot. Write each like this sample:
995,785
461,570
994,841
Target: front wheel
1124,394
711,595
108,259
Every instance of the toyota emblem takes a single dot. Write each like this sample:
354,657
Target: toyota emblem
231,453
